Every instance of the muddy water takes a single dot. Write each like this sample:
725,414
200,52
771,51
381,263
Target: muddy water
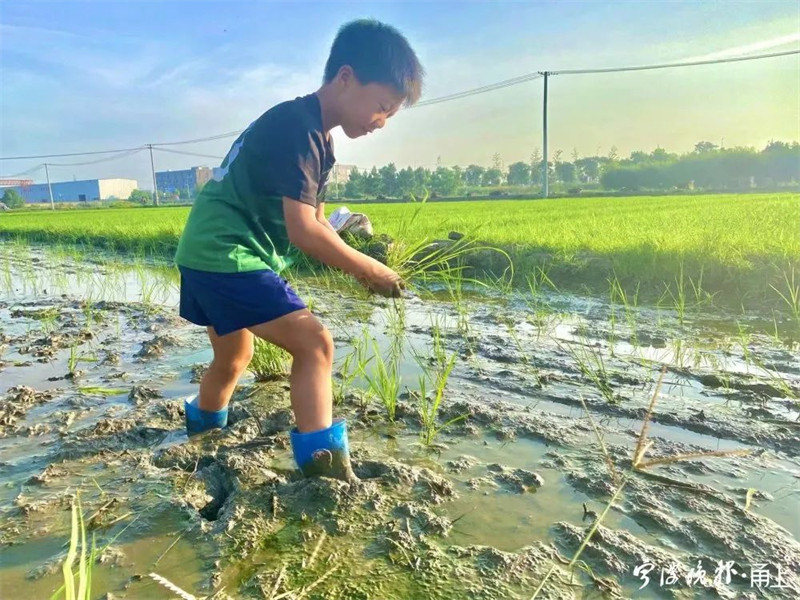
94,363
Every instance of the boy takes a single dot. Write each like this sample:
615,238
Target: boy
267,201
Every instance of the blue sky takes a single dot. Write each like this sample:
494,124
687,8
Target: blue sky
80,76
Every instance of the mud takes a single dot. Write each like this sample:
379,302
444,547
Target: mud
486,512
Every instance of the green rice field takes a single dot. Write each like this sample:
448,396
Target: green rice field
739,247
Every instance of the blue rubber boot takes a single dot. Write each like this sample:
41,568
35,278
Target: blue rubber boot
199,420
324,452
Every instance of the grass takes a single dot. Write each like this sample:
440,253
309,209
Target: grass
384,380
353,363
269,362
719,240
592,366
428,408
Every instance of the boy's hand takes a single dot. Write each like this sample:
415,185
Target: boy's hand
379,278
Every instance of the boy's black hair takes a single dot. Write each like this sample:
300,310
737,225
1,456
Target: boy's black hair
377,53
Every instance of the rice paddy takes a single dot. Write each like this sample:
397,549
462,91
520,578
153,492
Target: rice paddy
740,249
526,422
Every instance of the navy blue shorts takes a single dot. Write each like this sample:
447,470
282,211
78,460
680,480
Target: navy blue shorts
232,301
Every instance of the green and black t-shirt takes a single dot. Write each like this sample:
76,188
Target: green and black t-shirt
237,223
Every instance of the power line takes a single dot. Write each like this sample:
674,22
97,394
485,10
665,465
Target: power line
456,96
20,174
480,90
671,65
94,162
72,154
538,74
205,139
188,153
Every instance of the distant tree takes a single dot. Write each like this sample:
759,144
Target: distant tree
519,173
588,169
388,175
661,155
492,176
445,181
354,187
13,199
701,147
141,196
473,175
565,172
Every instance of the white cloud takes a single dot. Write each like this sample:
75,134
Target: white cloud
791,41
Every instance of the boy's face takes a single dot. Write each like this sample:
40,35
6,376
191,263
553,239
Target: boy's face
365,108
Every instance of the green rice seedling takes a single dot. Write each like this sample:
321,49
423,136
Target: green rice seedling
528,364
612,321
397,327
679,297
428,409
591,365
85,566
680,353
791,297
354,363
414,256
72,362
629,305
48,321
269,362
701,296
384,381
439,355
744,340
536,282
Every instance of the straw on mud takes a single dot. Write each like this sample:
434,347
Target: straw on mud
307,589
101,509
689,455
748,498
274,506
640,444
177,539
278,581
315,551
403,550
172,587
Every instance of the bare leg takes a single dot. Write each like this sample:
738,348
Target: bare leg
311,345
232,354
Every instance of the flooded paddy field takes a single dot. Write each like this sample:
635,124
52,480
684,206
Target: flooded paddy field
546,402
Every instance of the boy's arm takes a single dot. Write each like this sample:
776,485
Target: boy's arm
319,239
321,217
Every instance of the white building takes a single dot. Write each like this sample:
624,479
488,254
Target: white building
341,173
86,190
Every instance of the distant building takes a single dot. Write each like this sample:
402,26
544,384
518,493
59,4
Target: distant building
85,190
341,173
188,179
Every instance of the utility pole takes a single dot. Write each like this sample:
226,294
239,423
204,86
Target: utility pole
49,188
545,189
153,169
